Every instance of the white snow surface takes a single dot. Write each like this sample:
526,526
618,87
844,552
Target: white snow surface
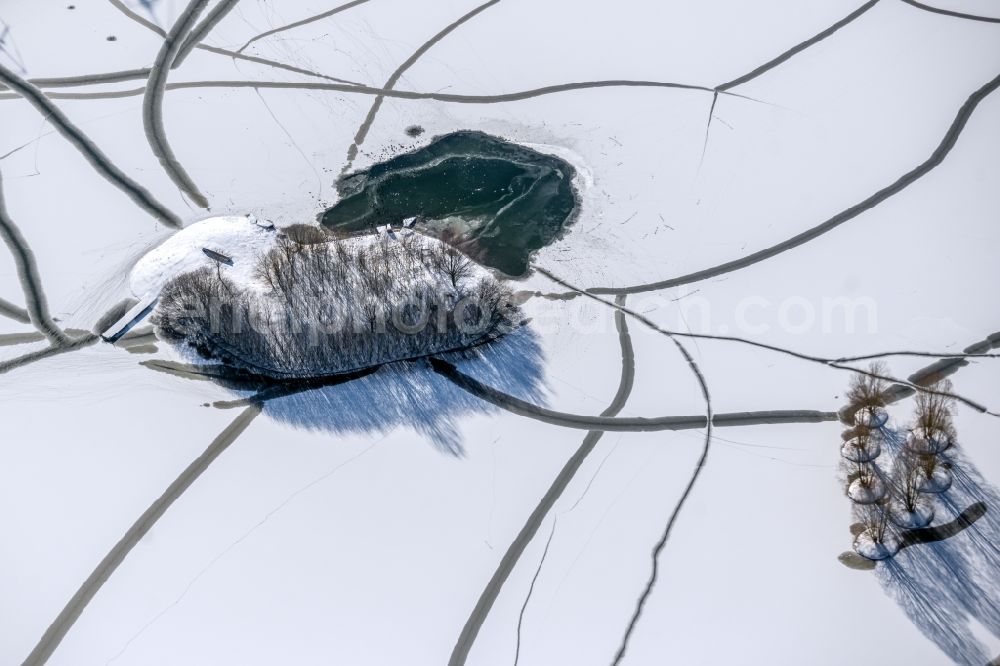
305,546
235,236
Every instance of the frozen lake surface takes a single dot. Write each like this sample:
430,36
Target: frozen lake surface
712,216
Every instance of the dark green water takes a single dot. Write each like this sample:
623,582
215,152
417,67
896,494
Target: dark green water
497,201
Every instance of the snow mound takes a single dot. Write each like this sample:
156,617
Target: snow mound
867,547
939,481
937,442
871,418
861,451
237,237
921,516
861,493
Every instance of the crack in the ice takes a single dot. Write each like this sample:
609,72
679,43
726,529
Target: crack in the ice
832,363
361,89
305,21
520,407
152,103
88,79
48,352
948,12
15,312
104,166
172,54
200,31
900,184
369,120
515,551
658,548
27,272
71,612
798,48
531,589
120,6
234,544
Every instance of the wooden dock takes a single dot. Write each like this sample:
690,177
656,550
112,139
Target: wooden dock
137,313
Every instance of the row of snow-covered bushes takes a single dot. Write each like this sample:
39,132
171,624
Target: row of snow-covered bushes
331,307
895,474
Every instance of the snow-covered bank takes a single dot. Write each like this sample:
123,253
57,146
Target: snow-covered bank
238,237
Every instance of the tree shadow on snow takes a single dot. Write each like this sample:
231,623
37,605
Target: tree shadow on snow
946,585
405,394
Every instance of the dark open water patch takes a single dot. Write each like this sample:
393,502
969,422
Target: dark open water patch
495,200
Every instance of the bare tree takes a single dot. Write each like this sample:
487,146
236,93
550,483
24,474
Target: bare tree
928,464
867,391
906,474
866,475
452,263
933,423
862,443
875,519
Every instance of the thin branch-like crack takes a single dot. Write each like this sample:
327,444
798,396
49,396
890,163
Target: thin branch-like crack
152,103
531,589
944,355
708,128
88,149
833,363
936,158
964,355
291,139
274,63
658,548
904,181
27,272
305,21
13,53
64,621
149,25
362,133
141,20
798,48
267,516
515,551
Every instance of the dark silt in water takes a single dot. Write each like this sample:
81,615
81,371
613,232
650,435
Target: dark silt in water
495,200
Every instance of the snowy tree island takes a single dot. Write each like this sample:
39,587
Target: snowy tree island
299,303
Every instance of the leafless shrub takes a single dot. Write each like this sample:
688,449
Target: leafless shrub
305,234
933,420
862,440
452,263
867,474
866,391
927,464
906,478
875,519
